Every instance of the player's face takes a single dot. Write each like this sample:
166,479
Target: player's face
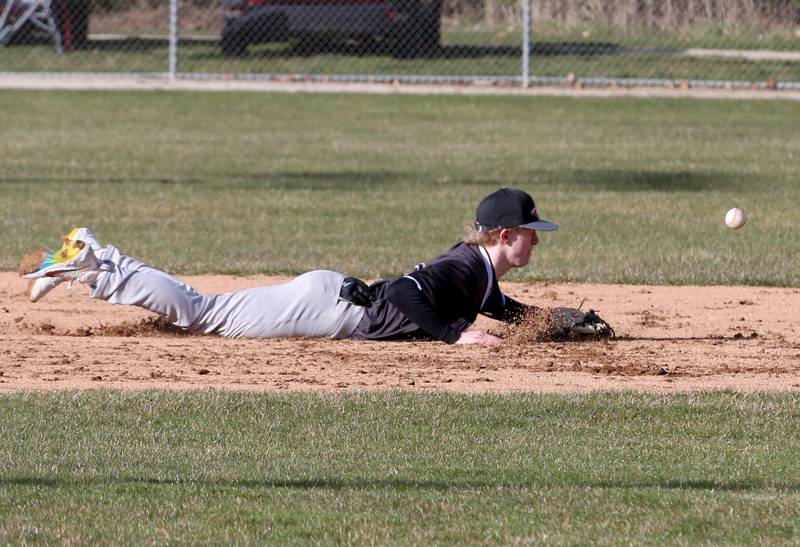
521,242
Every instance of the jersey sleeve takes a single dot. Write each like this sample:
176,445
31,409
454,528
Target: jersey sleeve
407,296
441,297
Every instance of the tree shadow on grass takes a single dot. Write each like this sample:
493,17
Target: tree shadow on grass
121,43
405,484
311,180
372,48
620,180
623,180
100,179
348,180
197,47
322,180
617,180
451,51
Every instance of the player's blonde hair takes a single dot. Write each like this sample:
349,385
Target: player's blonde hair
481,237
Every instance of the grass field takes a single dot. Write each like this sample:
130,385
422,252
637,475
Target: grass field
161,467
370,185
274,183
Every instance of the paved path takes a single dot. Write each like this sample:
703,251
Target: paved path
149,82
749,54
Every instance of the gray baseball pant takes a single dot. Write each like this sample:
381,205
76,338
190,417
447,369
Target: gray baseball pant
308,305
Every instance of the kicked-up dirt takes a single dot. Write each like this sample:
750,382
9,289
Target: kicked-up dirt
668,339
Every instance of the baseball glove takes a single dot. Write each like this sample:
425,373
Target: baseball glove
574,323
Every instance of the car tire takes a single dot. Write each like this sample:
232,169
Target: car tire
72,19
80,24
422,36
233,43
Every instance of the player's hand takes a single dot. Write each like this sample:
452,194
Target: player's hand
479,337
357,292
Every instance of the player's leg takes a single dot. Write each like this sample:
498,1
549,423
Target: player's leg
122,279
309,305
115,277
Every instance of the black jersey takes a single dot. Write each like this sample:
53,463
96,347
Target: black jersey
438,300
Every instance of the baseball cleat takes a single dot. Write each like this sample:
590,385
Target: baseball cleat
48,270
74,258
83,234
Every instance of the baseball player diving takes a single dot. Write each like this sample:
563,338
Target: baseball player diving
438,300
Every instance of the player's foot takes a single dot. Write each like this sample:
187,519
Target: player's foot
48,270
37,288
69,262
74,261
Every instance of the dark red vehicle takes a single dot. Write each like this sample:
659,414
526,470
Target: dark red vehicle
408,28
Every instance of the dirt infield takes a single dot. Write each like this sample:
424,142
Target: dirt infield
668,339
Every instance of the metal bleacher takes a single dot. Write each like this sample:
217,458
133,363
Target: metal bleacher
16,14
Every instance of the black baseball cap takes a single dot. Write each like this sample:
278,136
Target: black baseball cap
510,208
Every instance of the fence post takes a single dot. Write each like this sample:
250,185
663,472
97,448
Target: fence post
526,42
173,38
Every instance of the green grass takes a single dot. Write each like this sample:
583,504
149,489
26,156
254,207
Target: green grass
278,183
216,467
371,185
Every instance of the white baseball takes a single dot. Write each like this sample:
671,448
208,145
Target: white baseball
735,218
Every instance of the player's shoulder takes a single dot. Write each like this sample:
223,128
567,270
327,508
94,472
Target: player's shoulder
460,260
462,250
460,253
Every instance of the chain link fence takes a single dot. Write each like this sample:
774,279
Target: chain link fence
731,43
